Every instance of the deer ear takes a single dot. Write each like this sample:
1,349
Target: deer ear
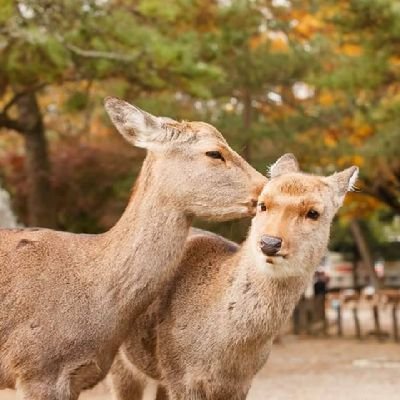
137,126
344,182
284,165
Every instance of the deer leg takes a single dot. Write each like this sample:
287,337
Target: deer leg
162,393
187,394
224,395
38,390
125,385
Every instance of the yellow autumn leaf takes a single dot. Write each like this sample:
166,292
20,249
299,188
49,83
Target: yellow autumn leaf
364,130
355,141
330,140
326,98
279,44
394,61
308,26
358,160
257,40
350,49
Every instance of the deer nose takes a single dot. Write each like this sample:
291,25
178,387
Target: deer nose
270,245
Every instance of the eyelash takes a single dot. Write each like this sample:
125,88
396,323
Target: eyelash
216,155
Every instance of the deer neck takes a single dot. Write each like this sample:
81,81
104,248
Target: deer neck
262,302
142,251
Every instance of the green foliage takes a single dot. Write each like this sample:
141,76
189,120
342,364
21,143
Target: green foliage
76,102
6,10
235,64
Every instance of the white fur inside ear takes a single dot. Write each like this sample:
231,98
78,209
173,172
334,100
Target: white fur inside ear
137,126
272,169
269,170
285,164
353,180
146,128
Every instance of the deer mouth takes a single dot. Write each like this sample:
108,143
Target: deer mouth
275,259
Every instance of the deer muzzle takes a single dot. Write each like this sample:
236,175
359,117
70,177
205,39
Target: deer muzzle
270,245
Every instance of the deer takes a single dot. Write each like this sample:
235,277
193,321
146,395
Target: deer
68,300
212,328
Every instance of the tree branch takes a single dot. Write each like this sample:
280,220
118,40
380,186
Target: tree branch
383,193
18,95
9,123
5,120
99,54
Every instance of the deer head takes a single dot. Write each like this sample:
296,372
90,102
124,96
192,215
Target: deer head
290,231
193,164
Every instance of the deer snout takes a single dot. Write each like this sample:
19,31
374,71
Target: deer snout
270,245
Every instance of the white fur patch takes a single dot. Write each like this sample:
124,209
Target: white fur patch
136,126
136,120
150,390
353,180
146,131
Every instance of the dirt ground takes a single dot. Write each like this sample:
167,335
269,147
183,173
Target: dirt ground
317,369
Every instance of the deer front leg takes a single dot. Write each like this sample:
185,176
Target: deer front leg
41,390
125,385
186,394
162,393
202,394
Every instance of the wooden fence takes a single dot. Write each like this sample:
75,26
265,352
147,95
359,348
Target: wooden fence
311,315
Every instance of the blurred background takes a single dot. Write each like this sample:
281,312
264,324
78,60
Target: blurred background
316,78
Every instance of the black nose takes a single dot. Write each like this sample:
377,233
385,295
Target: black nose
270,245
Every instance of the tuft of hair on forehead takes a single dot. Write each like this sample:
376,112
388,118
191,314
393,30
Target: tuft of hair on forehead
205,130
190,132
300,183
296,184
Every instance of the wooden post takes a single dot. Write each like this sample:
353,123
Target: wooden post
395,324
325,321
309,320
339,320
357,323
296,320
377,323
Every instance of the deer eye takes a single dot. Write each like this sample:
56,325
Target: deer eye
263,207
312,214
215,154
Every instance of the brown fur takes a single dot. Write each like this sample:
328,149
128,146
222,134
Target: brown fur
68,300
212,330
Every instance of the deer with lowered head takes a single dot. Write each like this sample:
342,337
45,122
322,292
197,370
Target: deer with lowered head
67,301
211,330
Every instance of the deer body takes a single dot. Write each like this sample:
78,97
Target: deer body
212,330
68,300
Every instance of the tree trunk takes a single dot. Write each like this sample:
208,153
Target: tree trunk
365,253
247,119
41,208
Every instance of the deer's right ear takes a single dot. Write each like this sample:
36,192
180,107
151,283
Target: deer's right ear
343,182
284,165
137,126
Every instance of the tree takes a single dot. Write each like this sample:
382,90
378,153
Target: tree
45,44
357,102
263,61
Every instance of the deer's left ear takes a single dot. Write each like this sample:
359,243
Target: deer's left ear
343,182
284,165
